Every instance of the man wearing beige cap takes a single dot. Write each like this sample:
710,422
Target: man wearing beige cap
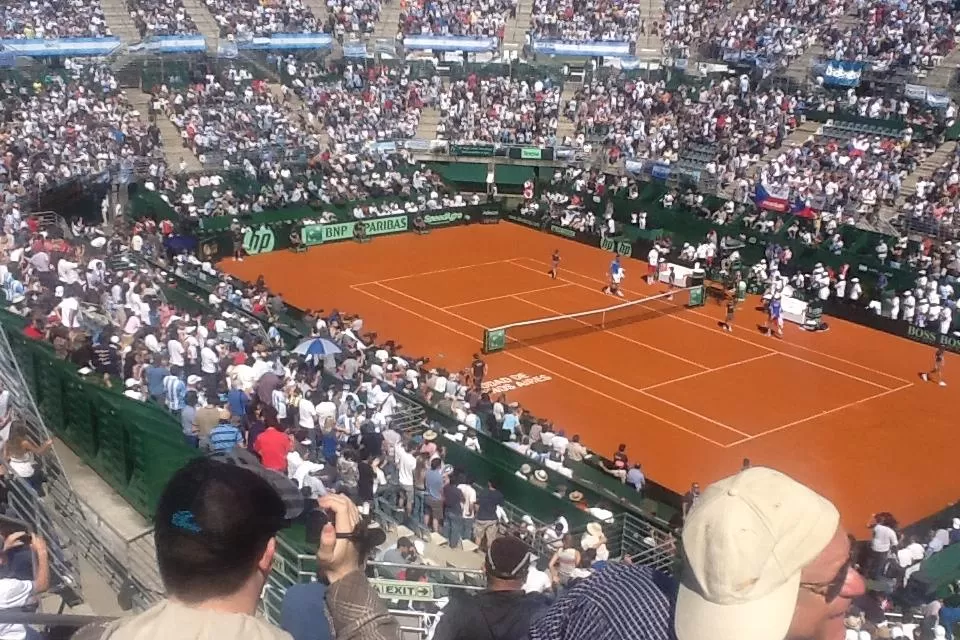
765,558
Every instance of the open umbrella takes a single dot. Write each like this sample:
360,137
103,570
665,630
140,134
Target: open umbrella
317,347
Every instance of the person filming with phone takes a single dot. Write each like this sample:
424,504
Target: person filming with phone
16,592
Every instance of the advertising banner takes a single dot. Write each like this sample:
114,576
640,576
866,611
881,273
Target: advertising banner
473,150
261,240
449,43
591,49
172,44
566,232
530,222
319,233
37,48
281,41
490,216
622,247
444,219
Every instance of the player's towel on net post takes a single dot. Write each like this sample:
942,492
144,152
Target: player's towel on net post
540,330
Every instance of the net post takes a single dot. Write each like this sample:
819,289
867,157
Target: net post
603,320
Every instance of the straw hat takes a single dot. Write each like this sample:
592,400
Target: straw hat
525,469
594,529
429,435
540,475
575,496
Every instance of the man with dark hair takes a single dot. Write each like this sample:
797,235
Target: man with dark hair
215,531
503,611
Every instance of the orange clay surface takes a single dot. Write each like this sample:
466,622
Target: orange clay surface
843,411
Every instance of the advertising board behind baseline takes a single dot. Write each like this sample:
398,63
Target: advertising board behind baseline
315,234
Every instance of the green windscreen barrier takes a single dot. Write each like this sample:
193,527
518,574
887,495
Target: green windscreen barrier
461,171
513,174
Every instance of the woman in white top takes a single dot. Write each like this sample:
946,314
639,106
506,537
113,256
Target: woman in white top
21,455
564,561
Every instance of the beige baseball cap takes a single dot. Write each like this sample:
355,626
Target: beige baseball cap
745,542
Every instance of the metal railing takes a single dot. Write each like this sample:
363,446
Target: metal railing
71,526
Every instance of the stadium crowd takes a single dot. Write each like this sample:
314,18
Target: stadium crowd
913,37
585,20
644,120
364,103
500,110
933,206
53,19
370,184
232,116
338,427
353,17
482,18
162,18
75,123
244,19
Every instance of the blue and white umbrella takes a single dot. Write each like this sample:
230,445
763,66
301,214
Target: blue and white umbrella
317,347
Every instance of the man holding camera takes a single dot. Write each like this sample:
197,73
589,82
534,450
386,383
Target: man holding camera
215,531
16,593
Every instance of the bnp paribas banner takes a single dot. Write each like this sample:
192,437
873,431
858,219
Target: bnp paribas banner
315,234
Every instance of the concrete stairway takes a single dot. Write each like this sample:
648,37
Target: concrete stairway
117,15
649,46
298,109
437,551
389,23
940,77
429,119
317,8
206,23
799,68
515,35
173,149
567,127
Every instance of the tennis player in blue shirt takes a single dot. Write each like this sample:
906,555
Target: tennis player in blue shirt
616,276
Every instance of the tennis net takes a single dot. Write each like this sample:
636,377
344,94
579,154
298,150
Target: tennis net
540,330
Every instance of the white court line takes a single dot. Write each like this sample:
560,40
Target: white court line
617,335
719,331
509,295
640,391
572,364
532,364
702,373
820,415
430,273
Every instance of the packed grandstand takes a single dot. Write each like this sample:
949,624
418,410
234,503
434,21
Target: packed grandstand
802,155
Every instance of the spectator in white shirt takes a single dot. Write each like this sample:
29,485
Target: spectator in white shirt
176,352
884,540
307,412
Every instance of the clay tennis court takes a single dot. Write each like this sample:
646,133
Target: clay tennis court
843,411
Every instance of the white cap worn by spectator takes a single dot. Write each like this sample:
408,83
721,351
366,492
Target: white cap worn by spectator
765,558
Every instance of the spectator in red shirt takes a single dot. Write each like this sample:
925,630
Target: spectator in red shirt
34,330
272,446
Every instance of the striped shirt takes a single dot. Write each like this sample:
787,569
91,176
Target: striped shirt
224,437
621,601
175,392
279,401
